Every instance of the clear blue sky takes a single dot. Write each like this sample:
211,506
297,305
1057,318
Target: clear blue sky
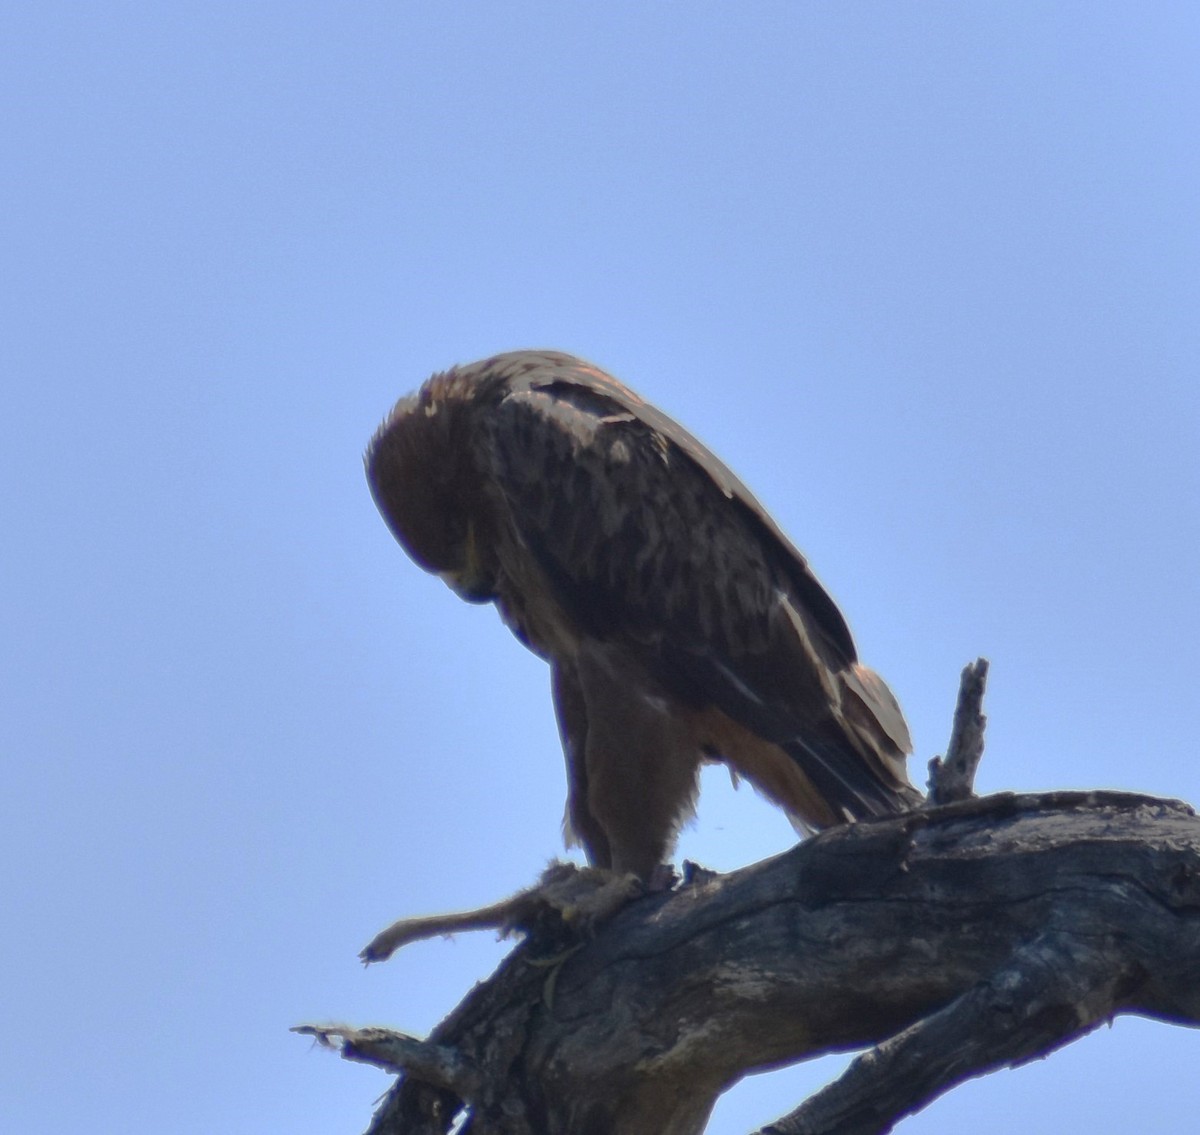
926,275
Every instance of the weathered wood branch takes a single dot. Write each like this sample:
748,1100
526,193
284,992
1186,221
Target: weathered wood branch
949,941
1056,988
431,1064
954,778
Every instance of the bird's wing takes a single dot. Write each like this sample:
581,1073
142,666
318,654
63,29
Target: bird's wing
648,541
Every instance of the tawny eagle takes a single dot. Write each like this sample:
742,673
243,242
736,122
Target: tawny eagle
679,622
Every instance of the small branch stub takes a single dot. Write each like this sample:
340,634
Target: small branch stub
399,1053
953,778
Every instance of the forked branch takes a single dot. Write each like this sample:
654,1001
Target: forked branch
944,942
937,937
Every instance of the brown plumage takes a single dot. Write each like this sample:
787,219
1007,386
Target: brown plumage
679,623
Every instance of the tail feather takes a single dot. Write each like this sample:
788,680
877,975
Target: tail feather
847,782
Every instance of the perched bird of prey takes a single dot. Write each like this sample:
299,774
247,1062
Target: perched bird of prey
679,623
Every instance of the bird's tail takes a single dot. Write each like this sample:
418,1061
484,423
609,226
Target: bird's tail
857,760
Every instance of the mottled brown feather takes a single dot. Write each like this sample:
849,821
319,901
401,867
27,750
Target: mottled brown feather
679,621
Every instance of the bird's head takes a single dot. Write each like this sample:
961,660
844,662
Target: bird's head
421,476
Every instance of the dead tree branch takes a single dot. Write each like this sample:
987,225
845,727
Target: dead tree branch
948,942
395,1052
954,778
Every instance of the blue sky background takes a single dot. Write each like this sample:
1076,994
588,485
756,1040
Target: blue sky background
926,276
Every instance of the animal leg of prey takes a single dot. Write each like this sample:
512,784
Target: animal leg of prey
577,898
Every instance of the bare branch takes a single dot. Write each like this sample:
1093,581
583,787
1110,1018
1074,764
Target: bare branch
1056,989
954,778
944,938
397,1052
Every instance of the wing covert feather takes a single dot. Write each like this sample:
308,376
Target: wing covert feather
640,543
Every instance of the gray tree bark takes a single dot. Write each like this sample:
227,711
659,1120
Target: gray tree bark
947,942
